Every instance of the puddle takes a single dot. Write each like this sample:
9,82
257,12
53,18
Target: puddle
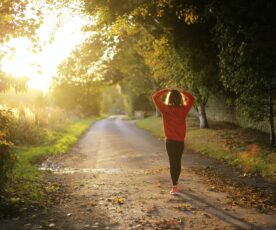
81,170
60,170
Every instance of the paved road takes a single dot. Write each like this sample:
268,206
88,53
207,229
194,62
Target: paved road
115,143
117,177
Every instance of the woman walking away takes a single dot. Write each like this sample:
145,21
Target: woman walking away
174,113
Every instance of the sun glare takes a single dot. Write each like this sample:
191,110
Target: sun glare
18,61
21,61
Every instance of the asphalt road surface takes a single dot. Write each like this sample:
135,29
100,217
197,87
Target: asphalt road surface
117,177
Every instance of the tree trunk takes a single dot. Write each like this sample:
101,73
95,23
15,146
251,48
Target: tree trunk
203,122
271,119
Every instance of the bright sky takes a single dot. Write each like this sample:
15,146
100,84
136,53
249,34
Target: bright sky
40,67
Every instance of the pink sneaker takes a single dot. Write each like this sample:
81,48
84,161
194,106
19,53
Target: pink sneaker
174,190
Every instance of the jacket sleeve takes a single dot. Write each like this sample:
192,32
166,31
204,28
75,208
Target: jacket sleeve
157,99
190,100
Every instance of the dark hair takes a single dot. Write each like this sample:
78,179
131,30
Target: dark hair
174,98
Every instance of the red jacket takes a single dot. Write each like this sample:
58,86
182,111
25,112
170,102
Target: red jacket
174,117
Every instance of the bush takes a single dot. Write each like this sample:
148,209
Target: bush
20,127
7,160
7,121
26,133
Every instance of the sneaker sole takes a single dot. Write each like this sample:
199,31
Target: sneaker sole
174,193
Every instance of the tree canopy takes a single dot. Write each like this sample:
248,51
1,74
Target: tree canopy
203,46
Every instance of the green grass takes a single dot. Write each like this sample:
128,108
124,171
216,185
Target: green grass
152,124
244,148
27,183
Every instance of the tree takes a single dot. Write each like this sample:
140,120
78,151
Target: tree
77,86
129,70
113,101
14,22
245,32
180,46
7,82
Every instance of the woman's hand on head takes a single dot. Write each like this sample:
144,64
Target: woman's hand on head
178,89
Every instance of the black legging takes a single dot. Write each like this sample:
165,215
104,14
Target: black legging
175,150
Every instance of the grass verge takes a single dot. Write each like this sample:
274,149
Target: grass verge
245,148
27,185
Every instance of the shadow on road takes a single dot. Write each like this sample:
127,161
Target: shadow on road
221,214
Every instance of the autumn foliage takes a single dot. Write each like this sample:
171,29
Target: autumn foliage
7,159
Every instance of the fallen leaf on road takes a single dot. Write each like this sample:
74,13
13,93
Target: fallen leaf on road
185,207
52,225
118,200
158,224
238,193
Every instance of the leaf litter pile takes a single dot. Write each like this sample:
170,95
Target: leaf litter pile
239,194
42,194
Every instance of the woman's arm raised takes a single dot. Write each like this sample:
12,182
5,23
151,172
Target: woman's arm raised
190,100
156,96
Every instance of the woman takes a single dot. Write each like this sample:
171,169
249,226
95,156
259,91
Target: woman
174,113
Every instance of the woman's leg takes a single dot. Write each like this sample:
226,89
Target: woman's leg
175,151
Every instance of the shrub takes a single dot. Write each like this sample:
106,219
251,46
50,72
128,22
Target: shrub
20,126
7,160
26,133
7,121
